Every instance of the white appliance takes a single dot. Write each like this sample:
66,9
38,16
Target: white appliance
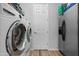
14,32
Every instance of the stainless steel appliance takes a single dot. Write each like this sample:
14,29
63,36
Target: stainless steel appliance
61,23
71,16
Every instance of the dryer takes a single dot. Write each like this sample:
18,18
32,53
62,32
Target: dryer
61,40
13,32
72,30
61,29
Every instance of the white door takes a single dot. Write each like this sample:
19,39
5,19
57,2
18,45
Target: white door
40,26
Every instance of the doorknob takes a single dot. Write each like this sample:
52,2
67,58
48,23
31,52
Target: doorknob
35,32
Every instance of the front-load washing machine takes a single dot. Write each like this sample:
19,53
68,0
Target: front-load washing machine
28,35
13,32
72,30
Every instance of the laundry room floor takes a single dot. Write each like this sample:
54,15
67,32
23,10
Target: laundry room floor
45,53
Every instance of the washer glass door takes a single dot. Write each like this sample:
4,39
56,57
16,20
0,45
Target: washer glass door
16,39
29,31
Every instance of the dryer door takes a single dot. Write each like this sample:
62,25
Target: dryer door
62,30
62,37
16,39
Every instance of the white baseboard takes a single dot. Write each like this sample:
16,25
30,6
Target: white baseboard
53,49
45,49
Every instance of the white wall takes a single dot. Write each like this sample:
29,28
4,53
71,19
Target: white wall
27,8
52,22
40,35
53,26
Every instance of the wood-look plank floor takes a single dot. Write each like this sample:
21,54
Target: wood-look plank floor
34,53
55,53
45,53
